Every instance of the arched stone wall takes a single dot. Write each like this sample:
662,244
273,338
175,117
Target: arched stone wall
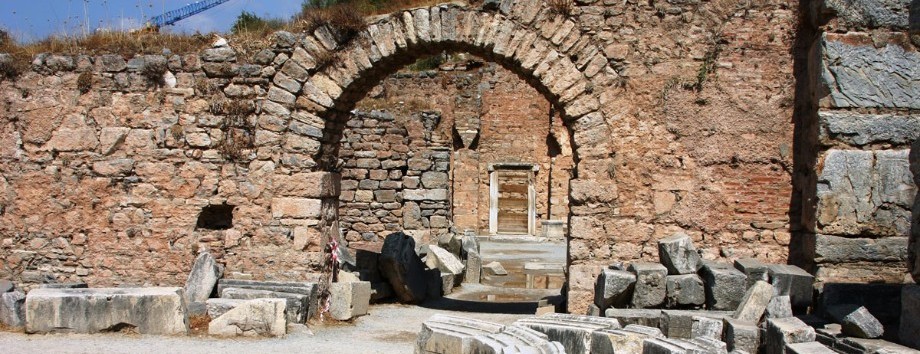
563,66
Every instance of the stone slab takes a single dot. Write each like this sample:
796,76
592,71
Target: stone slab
297,307
755,302
864,129
149,310
258,317
202,278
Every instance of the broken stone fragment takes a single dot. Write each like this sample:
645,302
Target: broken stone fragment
755,302
685,291
202,278
678,254
494,268
259,317
650,287
785,331
441,259
856,321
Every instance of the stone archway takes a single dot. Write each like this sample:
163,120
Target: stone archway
544,49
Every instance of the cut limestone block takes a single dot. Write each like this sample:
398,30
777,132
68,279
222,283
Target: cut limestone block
702,326
740,335
515,339
909,331
573,331
202,278
259,317
754,302
218,306
678,254
349,300
473,268
613,288
296,310
650,286
672,346
620,341
443,260
724,286
712,345
679,323
808,348
856,321
149,310
643,317
450,334
753,269
494,268
685,291
794,282
402,267
784,331
12,309
779,307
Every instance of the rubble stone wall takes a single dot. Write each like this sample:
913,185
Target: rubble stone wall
864,72
679,115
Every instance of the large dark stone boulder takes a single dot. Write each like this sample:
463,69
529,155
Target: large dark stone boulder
403,268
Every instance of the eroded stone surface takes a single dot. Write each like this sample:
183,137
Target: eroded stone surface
259,317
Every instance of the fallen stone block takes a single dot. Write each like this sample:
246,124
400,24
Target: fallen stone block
573,331
882,300
450,334
12,305
202,278
441,259
794,282
678,254
644,317
650,288
685,291
753,269
679,323
783,331
297,306
402,267
148,310
613,288
724,286
702,326
349,300
856,321
494,268
779,307
259,317
909,331
808,348
754,302
712,345
218,306
740,335
76,285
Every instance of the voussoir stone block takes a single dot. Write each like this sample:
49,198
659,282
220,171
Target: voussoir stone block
573,331
613,288
724,284
678,254
651,287
149,310
443,260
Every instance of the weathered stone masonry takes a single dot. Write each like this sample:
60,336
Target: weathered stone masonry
679,117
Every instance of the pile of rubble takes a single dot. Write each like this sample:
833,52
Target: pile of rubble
413,273
244,308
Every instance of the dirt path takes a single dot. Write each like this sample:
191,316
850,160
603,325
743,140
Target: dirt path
389,328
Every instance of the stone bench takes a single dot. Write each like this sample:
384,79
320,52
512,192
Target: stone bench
442,334
146,310
573,331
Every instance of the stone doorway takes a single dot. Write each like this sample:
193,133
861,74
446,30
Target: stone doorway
512,199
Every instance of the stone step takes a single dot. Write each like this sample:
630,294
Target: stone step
146,310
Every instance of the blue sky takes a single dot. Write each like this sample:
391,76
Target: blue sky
29,20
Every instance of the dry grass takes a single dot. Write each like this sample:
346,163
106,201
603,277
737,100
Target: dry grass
85,82
561,7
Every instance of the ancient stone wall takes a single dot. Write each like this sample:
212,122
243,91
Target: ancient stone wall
862,95
679,116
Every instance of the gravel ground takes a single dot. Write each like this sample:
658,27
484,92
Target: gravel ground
389,328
